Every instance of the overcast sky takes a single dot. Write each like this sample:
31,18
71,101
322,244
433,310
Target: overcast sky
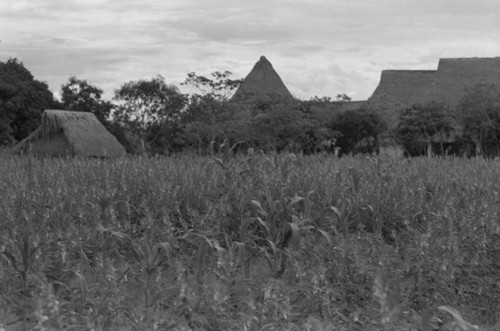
318,47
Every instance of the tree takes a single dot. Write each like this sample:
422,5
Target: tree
358,131
419,123
343,97
281,125
479,115
145,104
278,124
206,122
22,101
219,87
79,95
209,118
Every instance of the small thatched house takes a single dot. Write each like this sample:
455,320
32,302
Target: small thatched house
70,133
263,82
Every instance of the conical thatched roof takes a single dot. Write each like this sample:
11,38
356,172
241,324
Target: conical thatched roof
262,82
70,133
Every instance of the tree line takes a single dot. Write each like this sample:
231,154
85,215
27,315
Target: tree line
153,117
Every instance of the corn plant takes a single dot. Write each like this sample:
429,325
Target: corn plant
257,241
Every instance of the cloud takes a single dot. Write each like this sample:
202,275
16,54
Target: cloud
318,47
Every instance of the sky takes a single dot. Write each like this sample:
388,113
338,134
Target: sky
318,47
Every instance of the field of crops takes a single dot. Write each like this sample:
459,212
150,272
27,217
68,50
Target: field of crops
264,242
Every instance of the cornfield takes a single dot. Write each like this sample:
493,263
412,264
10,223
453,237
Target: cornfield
258,242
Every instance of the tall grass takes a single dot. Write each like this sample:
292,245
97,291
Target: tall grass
265,242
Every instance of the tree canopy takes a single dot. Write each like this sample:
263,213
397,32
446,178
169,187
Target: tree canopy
479,115
419,123
357,131
149,108
22,101
151,116
80,95
219,87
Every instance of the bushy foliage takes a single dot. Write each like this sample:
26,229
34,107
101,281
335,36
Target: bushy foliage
211,122
419,123
150,110
220,86
22,100
357,131
266,241
206,122
479,115
281,124
80,95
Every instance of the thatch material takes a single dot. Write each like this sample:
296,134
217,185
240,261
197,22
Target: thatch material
70,133
402,88
263,82
448,84
456,76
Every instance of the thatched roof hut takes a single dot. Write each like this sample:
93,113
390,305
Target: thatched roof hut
263,82
70,133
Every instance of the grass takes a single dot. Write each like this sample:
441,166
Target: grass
265,242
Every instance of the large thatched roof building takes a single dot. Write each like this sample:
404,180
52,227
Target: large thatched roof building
263,82
448,84
455,76
400,89
70,133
